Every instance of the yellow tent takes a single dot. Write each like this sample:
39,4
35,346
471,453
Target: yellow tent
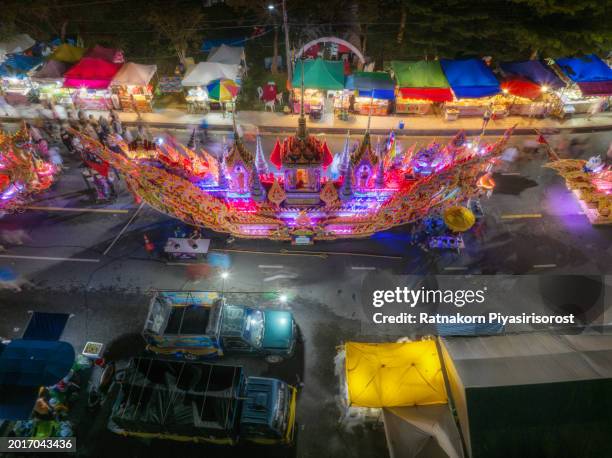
394,374
67,53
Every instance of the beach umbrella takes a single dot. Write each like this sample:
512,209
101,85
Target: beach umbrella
458,218
222,90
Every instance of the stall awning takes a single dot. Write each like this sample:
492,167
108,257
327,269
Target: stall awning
22,63
16,44
224,54
533,70
587,69
51,71
371,84
601,88
205,72
210,44
470,78
91,73
521,88
132,74
67,53
423,80
394,374
319,74
114,56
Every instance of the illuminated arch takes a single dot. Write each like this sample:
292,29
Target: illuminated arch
336,40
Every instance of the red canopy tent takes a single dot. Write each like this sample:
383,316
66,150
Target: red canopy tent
521,88
91,73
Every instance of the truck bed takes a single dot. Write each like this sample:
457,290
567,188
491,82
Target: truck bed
188,320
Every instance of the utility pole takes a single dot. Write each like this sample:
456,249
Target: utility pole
287,49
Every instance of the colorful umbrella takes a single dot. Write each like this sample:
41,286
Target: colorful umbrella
222,90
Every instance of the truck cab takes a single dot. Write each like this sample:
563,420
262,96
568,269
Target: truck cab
248,329
268,411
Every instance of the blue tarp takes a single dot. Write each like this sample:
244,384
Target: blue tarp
209,44
476,329
587,69
535,71
46,326
35,363
377,85
22,63
470,78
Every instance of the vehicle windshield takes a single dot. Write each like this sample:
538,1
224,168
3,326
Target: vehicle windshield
254,329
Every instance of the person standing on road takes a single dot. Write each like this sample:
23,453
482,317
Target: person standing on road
149,246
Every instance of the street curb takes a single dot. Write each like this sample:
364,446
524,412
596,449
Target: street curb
446,132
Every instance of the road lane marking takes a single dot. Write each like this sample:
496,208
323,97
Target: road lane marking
262,266
124,228
544,266
455,268
362,268
281,277
72,209
511,173
523,215
47,258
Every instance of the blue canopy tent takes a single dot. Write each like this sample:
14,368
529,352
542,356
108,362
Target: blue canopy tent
210,44
22,63
535,71
371,84
26,365
593,75
470,78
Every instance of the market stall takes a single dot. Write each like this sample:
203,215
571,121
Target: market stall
49,82
16,44
473,85
322,79
111,55
419,85
224,54
592,78
16,82
203,74
373,92
67,53
91,79
131,87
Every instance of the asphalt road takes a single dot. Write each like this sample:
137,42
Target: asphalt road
62,257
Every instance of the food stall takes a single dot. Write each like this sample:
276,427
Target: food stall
16,44
131,87
592,80
67,53
529,87
114,56
49,82
474,85
201,75
374,92
90,79
419,84
322,79
16,74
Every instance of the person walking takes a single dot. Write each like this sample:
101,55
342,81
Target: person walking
149,246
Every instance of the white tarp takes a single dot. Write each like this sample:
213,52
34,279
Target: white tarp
421,432
16,44
205,72
132,74
224,54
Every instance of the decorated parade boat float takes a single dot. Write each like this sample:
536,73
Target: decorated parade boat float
371,189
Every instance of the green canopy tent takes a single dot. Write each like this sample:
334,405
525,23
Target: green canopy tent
423,80
319,75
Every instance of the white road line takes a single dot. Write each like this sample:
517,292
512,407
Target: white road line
511,173
455,268
79,210
362,268
543,266
124,228
47,258
523,215
263,266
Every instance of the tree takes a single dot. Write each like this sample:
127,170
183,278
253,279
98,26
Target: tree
177,24
263,15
